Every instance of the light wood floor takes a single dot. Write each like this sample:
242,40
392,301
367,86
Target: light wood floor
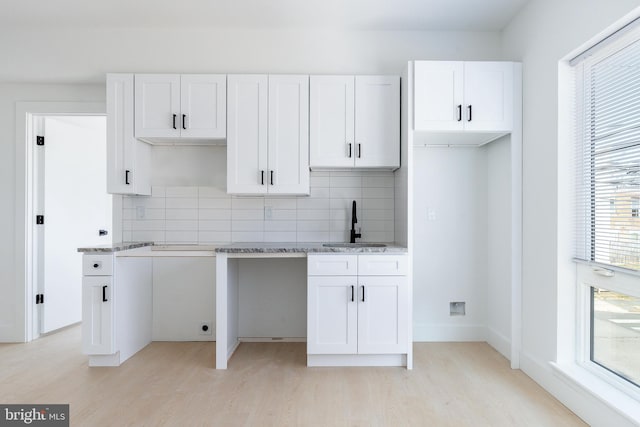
174,384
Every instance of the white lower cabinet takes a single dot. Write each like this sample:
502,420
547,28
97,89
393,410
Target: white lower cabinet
332,316
97,315
116,307
358,315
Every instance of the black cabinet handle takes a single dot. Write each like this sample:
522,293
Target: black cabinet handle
470,111
359,150
459,112
96,265
350,150
261,177
184,121
352,293
104,294
271,177
362,293
126,177
174,121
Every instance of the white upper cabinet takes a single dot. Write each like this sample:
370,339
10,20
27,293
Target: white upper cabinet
354,122
128,160
288,142
438,95
332,116
267,141
377,122
174,107
247,134
463,96
203,106
488,96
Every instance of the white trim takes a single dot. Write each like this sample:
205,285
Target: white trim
23,225
516,219
499,342
579,398
320,360
430,332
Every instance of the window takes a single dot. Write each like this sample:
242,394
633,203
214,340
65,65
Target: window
607,112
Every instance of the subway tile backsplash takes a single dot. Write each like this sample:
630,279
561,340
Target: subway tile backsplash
207,215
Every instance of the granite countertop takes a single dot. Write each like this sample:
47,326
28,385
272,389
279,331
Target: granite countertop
115,247
256,248
284,247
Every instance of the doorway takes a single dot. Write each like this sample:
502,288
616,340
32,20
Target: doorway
72,210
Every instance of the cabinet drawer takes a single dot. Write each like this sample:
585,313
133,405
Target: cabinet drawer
97,265
332,265
382,265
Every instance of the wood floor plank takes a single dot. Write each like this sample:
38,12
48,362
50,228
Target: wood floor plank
268,384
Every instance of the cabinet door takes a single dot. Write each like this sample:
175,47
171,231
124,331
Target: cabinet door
383,306
438,95
332,317
127,158
203,100
97,315
331,121
377,121
488,96
288,135
247,134
157,104
120,139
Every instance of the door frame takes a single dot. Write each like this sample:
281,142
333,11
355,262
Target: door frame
26,113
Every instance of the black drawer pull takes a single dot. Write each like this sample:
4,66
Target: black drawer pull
104,294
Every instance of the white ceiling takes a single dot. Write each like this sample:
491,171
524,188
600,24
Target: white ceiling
458,15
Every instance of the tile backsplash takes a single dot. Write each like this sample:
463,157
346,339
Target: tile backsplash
209,215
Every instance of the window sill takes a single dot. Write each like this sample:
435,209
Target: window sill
575,375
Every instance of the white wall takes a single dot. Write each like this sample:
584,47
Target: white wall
498,245
12,327
450,243
72,61
85,55
539,36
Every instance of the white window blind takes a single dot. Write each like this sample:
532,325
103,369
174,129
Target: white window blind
608,155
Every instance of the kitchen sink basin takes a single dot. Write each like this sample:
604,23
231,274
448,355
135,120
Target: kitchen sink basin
354,245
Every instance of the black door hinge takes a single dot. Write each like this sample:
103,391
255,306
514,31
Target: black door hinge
39,219
39,298
39,140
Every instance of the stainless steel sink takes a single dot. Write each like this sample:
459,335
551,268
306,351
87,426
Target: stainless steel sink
354,245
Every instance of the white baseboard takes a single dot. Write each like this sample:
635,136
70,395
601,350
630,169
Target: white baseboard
580,401
448,333
319,360
499,342
269,339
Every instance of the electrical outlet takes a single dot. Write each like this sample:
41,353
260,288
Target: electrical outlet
431,214
140,212
268,212
205,328
457,308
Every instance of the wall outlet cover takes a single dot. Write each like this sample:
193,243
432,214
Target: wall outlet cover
204,328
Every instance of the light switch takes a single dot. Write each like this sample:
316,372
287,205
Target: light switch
268,213
140,213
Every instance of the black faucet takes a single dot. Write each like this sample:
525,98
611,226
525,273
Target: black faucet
354,219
